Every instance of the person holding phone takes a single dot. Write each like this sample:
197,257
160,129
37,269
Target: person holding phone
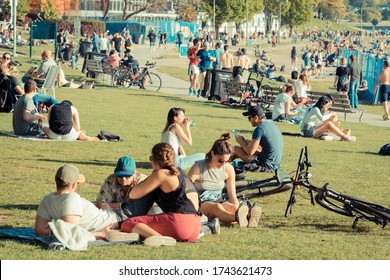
47,62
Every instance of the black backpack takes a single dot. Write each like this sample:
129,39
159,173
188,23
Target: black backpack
385,150
5,95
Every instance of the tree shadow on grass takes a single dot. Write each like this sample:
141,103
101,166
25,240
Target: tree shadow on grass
94,162
349,151
26,207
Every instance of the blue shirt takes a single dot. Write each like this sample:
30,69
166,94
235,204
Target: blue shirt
271,142
205,61
217,54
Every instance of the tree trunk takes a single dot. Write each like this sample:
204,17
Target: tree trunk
106,7
319,12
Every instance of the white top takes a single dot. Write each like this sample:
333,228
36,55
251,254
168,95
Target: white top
314,117
103,44
53,207
280,104
171,138
301,89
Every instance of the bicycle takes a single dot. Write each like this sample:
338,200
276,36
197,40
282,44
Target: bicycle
263,94
124,77
331,200
279,182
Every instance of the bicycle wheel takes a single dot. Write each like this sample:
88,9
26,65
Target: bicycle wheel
334,205
120,78
371,212
152,82
266,95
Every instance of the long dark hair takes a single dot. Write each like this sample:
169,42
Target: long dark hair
164,155
221,147
237,70
173,112
322,102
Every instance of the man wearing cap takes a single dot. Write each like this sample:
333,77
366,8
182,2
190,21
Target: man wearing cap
266,137
244,61
114,194
64,123
66,204
206,58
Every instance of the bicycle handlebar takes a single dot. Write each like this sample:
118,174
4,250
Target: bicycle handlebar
150,64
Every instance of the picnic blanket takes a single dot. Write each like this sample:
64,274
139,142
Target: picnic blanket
41,137
326,137
27,235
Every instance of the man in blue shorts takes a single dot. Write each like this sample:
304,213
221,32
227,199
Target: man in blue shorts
264,152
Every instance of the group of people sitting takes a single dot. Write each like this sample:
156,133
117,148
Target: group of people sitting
167,206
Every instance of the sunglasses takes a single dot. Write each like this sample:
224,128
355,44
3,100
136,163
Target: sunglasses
6,57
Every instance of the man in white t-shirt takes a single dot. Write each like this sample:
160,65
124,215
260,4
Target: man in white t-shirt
67,205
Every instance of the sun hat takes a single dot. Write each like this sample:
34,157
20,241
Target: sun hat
125,167
70,174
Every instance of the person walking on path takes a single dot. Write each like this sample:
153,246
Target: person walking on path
384,90
193,69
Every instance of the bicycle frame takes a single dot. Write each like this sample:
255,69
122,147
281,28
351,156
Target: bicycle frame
334,201
280,182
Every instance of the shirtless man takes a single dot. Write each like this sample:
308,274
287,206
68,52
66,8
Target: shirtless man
244,61
226,59
384,90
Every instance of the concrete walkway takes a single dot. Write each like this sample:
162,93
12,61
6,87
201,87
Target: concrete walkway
172,85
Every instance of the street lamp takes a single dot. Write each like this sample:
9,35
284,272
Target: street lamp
214,18
247,24
280,17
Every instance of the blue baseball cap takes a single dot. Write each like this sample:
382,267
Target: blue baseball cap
125,167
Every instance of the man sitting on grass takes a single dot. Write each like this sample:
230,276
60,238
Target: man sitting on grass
66,204
25,114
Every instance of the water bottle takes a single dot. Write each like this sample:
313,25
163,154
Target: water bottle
192,123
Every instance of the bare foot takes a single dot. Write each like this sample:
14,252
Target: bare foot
92,85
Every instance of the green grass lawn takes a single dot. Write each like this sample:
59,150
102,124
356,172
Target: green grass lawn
28,168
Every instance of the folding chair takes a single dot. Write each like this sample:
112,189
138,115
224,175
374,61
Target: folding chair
50,82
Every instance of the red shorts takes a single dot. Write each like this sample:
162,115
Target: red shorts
182,227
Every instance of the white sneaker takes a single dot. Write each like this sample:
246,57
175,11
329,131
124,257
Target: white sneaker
156,241
116,235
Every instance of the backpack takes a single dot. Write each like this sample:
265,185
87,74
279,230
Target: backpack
283,68
5,95
344,80
385,150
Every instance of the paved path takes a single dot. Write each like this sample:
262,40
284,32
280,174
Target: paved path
179,87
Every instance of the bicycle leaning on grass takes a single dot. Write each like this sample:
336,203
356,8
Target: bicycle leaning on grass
279,182
336,202
125,77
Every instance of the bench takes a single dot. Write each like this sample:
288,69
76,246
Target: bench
232,91
94,68
340,103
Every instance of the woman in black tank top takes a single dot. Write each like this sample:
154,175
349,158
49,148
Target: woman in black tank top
175,194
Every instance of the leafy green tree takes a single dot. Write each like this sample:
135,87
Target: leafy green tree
238,16
271,8
222,11
188,10
48,10
300,12
385,14
23,9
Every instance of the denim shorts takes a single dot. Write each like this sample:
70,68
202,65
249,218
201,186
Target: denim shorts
308,131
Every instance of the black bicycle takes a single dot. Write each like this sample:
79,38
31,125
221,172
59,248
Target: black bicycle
256,51
339,203
125,77
262,94
279,182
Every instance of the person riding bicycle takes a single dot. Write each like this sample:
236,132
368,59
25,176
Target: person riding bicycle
129,61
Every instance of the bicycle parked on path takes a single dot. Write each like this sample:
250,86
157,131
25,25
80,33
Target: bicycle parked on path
336,202
125,77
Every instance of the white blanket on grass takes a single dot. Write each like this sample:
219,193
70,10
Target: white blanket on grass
72,236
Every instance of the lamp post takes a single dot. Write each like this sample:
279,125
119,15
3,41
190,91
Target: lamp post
14,10
214,19
247,25
361,21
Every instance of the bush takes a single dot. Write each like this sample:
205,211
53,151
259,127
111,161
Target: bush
90,26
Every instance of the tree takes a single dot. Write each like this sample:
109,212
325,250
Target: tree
300,12
374,22
48,10
23,9
333,9
188,10
271,8
222,11
238,16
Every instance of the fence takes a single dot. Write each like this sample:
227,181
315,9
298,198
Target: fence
141,27
371,64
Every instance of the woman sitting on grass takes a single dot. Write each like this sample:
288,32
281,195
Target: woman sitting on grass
316,123
175,194
174,135
210,175
283,105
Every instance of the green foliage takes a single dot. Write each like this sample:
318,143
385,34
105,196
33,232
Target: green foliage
23,9
48,10
300,12
374,22
371,13
385,14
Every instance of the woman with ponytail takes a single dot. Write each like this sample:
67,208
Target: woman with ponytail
210,175
175,194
